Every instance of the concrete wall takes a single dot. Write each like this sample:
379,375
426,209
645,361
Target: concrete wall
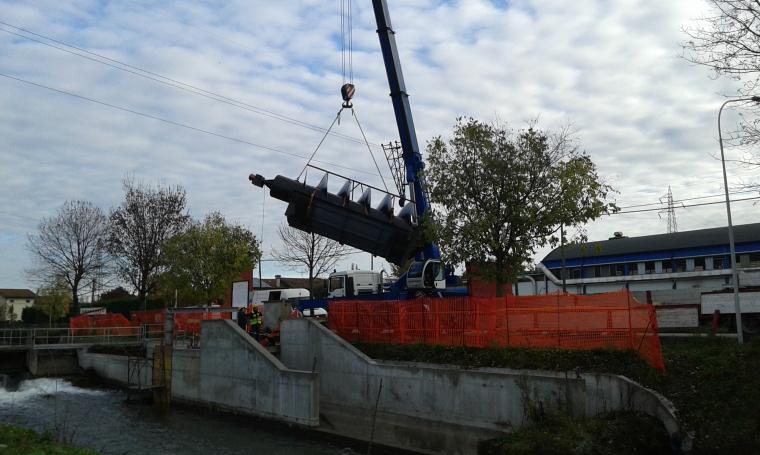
52,362
233,372
114,368
440,409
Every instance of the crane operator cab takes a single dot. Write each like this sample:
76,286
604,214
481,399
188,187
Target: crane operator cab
428,274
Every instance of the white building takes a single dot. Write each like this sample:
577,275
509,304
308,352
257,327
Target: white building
13,302
675,268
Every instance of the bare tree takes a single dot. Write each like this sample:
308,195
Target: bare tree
727,40
304,250
70,247
139,229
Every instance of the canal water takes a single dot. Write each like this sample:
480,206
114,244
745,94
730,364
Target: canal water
103,420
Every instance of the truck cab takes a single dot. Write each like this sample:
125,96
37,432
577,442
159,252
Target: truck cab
355,282
426,275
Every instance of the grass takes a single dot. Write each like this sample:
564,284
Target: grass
611,434
714,384
20,441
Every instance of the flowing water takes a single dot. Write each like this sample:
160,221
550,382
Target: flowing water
101,419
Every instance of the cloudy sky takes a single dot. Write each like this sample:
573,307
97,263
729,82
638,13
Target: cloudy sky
611,69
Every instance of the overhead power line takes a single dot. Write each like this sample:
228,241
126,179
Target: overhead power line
676,201
172,122
686,206
165,80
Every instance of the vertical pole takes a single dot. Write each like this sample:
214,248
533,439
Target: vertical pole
506,315
562,253
630,325
563,293
732,247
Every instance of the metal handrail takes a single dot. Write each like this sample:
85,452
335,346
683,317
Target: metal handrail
23,337
357,184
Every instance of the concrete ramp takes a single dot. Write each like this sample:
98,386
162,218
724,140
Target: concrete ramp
232,372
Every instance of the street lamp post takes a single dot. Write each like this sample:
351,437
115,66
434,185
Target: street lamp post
732,246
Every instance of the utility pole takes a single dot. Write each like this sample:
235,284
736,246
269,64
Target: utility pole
562,253
732,245
92,295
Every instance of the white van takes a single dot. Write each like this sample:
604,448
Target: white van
260,296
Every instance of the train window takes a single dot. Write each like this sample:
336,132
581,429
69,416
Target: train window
718,263
699,264
649,267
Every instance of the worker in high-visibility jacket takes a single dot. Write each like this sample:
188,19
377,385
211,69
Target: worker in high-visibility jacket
256,321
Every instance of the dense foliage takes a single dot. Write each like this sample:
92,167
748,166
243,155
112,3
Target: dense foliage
498,194
203,260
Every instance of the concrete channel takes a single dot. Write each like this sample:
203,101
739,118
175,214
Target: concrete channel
323,383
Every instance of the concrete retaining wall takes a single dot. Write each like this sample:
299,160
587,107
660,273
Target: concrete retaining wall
233,372
114,368
52,362
442,409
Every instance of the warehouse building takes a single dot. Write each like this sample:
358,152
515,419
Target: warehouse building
679,266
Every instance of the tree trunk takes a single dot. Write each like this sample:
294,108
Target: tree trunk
499,287
75,301
311,283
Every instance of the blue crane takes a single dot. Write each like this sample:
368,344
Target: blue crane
353,221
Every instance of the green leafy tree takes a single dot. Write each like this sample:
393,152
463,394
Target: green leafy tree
203,261
498,194
54,301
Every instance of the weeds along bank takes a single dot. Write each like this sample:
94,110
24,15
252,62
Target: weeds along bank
24,441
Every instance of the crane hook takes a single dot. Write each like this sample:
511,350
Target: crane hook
347,91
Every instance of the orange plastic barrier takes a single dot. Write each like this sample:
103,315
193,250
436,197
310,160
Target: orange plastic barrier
609,321
96,324
191,322
184,322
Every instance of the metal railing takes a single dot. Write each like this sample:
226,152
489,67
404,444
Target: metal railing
65,337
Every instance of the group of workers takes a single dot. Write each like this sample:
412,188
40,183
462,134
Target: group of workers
250,319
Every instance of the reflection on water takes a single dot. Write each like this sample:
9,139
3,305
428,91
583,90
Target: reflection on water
102,420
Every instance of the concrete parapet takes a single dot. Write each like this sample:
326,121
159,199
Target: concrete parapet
444,409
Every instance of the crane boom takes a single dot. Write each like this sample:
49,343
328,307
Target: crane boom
413,162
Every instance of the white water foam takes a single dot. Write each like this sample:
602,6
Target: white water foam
34,388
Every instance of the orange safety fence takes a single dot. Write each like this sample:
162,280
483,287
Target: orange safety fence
101,324
183,322
153,320
613,320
